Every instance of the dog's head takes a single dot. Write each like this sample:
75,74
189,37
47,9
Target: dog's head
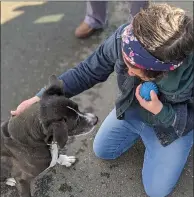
60,116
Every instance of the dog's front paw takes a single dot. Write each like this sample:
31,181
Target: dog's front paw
11,182
66,160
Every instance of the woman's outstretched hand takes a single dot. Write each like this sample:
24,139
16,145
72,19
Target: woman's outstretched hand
24,105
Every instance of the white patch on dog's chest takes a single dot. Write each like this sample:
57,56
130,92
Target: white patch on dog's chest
54,154
61,159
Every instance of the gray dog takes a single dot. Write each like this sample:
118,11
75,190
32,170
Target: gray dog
30,141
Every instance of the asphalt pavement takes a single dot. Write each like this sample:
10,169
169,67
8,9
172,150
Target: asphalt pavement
39,42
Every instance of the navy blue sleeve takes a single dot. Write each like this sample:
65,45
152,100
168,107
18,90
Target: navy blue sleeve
95,69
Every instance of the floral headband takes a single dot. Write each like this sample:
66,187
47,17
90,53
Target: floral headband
134,53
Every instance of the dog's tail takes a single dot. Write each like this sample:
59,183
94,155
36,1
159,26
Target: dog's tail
4,128
6,163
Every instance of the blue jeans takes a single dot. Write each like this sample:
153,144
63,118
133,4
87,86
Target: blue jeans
162,165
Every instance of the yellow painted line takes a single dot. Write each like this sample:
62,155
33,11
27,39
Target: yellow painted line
8,9
49,19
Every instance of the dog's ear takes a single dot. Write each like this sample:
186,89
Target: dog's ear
60,132
53,80
55,87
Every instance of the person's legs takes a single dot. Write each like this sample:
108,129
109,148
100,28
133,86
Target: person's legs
116,136
135,6
96,16
96,12
163,165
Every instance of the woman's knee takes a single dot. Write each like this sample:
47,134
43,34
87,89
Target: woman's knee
156,190
101,151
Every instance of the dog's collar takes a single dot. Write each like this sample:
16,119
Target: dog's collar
52,143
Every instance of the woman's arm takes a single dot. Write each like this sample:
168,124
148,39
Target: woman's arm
95,69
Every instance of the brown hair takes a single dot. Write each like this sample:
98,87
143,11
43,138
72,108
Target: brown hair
166,32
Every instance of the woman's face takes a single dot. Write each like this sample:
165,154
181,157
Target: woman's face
135,71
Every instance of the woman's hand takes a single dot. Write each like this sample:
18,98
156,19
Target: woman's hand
24,105
154,106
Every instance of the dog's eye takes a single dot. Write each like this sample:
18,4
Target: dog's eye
77,119
63,119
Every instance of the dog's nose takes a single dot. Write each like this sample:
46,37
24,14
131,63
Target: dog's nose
92,119
95,120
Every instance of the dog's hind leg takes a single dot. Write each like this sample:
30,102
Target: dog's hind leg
11,182
23,187
66,160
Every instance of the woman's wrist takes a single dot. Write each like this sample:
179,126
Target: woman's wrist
35,99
